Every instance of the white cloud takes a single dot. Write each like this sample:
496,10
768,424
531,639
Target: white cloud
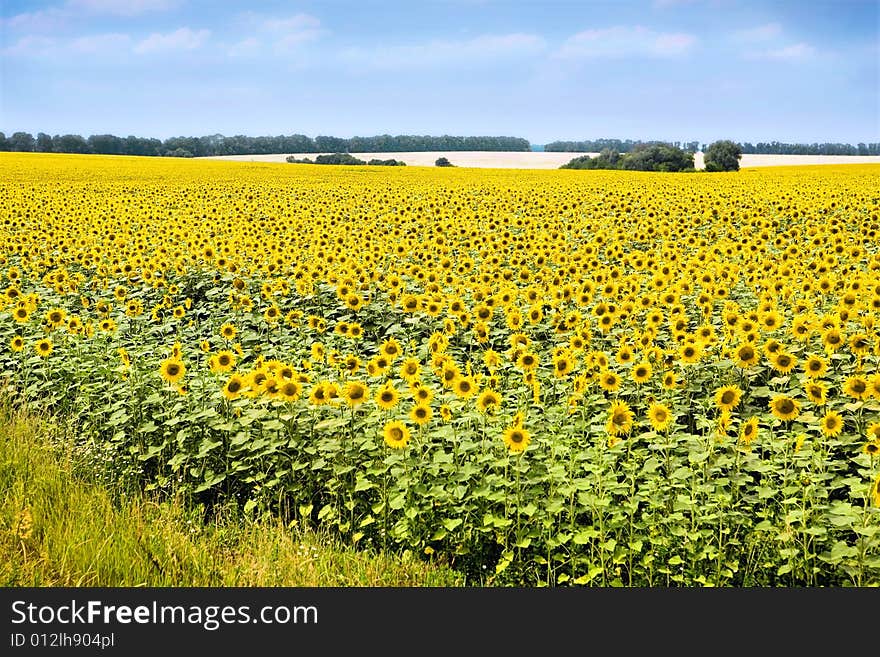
30,46
101,43
483,48
43,20
297,23
245,48
793,52
663,4
181,39
121,7
281,33
625,41
53,18
759,33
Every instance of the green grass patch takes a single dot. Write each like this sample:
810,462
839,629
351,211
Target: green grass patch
59,528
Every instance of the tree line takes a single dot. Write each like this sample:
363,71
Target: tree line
656,156
616,145
243,145
764,148
344,158
722,155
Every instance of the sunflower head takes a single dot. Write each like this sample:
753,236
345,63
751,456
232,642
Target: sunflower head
396,434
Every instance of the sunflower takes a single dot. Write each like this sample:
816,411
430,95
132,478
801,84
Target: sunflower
289,391
351,363
491,359
872,449
254,382
563,364
609,381
55,317
410,369
746,355
449,374
387,397
527,361
771,321
390,348
620,418
228,331
355,393
831,423
420,414
625,354
464,387
234,386
859,344
832,339
873,432
722,424
172,370
670,380
272,314
272,387
801,328
783,362
815,366
856,387
74,325
222,361
320,394
816,392
660,416
727,397
749,430
488,400
17,343
396,434
517,438
690,352
874,385
421,394
641,372
354,302
784,407
21,314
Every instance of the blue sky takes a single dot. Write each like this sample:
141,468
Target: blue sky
794,71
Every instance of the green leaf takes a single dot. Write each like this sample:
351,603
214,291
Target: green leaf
589,576
451,523
585,536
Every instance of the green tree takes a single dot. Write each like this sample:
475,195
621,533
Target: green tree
44,143
442,162
723,155
21,142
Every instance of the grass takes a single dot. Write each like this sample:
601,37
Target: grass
61,528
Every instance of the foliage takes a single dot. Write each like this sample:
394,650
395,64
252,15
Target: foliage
537,378
613,145
217,144
343,158
387,163
643,157
59,527
442,162
722,155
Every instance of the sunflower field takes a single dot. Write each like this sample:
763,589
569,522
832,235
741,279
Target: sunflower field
542,378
